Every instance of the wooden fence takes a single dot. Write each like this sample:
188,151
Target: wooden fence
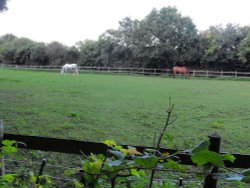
79,147
138,71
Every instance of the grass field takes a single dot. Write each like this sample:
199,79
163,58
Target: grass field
128,109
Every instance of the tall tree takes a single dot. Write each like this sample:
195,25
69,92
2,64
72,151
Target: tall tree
220,47
88,53
244,50
116,48
7,48
167,38
15,50
38,55
56,53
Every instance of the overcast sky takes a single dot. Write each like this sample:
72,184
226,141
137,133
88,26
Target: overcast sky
70,21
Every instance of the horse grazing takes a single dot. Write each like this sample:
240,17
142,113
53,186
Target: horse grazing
182,70
69,67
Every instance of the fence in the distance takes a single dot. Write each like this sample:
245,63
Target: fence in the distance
139,71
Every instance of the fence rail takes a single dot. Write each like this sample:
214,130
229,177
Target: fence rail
79,147
138,71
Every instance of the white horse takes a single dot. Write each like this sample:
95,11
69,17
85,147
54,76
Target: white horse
68,67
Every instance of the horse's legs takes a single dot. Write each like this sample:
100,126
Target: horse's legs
174,74
63,70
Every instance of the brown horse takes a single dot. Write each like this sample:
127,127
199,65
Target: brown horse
182,70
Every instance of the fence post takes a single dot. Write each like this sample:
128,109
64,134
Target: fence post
206,73
180,183
193,73
2,171
215,141
235,74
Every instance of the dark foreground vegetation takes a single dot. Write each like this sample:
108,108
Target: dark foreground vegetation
160,40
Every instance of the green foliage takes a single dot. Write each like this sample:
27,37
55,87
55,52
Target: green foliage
147,161
171,164
202,146
161,39
9,147
202,156
244,49
121,167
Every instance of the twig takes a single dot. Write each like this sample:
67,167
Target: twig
169,112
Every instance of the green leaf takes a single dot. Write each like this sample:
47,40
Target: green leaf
8,177
78,184
171,164
32,179
86,165
204,157
228,157
9,149
110,143
146,161
70,172
101,157
134,172
95,167
8,142
201,146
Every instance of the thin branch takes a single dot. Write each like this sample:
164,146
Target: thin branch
169,113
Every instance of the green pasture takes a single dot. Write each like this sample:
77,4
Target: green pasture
128,109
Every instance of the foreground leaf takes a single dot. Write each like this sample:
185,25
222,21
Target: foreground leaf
134,172
204,157
146,161
110,143
228,157
201,146
8,142
171,164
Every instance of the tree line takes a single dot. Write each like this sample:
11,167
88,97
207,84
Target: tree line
162,39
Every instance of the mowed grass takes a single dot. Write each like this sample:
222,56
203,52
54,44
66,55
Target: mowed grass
128,109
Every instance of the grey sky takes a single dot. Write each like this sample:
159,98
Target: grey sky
76,20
